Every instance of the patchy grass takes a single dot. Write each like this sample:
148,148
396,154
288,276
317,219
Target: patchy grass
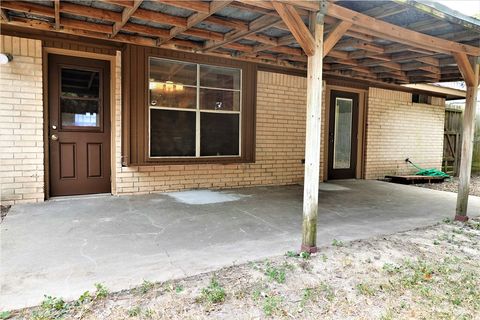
214,293
430,273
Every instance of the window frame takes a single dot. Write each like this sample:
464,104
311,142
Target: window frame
134,100
197,110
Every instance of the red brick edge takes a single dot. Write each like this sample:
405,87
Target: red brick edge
308,249
461,218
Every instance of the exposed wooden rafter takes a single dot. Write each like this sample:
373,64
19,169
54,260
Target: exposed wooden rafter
4,15
196,18
56,4
296,26
393,32
257,25
465,68
335,35
126,14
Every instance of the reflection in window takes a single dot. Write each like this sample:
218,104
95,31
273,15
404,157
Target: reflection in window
80,98
193,118
342,147
172,133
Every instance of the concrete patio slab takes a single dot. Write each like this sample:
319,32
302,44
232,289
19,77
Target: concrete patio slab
62,248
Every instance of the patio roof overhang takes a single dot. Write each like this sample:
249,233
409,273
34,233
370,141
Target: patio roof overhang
396,42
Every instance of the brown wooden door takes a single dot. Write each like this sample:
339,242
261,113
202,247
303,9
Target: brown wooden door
342,135
79,125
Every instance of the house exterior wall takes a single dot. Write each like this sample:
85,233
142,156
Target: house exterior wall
398,129
21,122
280,139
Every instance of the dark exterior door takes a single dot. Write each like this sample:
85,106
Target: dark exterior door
342,135
79,125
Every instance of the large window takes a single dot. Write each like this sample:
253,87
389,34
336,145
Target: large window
194,109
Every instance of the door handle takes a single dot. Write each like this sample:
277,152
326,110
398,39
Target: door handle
54,137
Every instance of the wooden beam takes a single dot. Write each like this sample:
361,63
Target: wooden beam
395,33
230,23
335,35
312,139
84,25
268,4
91,12
256,25
149,15
146,30
126,14
4,15
22,6
465,68
467,146
56,4
196,18
198,6
296,26
123,3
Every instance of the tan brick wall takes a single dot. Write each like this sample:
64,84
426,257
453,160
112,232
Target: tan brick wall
21,122
280,139
398,129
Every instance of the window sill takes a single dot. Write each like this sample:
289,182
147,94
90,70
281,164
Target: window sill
193,161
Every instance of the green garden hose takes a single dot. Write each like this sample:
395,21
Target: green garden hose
428,172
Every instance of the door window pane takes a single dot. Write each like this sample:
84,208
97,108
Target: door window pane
342,147
219,134
211,99
172,133
219,77
79,113
80,83
79,99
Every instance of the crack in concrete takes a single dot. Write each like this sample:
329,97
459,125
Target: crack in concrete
85,242
174,265
260,219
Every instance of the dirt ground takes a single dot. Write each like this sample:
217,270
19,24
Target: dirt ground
429,273
3,212
452,185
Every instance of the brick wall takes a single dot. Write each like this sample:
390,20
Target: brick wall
21,122
398,129
280,139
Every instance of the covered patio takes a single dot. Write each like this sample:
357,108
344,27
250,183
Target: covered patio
63,247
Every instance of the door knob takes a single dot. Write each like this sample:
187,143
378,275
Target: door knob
54,137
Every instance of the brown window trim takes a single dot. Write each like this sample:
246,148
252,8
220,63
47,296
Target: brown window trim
135,126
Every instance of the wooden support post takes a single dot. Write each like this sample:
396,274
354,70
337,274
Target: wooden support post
467,145
312,143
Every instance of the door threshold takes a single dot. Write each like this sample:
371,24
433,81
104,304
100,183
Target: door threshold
80,197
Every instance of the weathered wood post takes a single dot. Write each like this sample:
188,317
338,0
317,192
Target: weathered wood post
467,144
312,140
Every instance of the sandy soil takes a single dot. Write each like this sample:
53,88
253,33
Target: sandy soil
429,273
3,212
452,185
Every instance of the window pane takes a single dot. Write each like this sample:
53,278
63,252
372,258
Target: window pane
211,99
219,134
80,83
164,96
172,133
162,70
79,112
343,133
218,77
